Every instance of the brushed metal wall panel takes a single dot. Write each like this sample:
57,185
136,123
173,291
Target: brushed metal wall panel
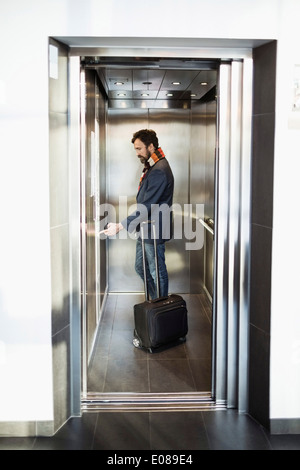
197,185
173,130
101,118
91,285
60,235
211,120
123,174
95,194
202,188
124,170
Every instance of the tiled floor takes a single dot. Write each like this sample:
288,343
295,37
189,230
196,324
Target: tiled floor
168,431
119,367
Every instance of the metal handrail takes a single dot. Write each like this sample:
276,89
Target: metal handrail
206,226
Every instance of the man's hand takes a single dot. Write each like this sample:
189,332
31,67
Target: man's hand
112,229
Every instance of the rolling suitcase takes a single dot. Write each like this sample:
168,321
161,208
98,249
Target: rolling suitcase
161,322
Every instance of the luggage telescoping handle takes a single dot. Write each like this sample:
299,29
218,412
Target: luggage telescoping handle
144,259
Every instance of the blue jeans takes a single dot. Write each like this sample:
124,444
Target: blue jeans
150,268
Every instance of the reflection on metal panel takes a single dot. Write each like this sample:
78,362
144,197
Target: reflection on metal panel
209,263
230,328
124,170
221,238
100,123
202,188
94,192
60,233
173,129
123,174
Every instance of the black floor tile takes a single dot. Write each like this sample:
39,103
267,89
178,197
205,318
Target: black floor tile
16,443
166,375
122,431
178,431
76,434
125,375
176,351
121,346
201,371
124,319
151,431
230,430
198,344
285,442
97,374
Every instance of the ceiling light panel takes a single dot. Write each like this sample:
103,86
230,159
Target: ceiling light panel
173,94
196,87
120,94
153,77
145,94
115,78
184,77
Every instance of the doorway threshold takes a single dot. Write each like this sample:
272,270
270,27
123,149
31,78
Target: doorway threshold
198,401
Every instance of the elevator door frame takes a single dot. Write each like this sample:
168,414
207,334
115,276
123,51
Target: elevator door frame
232,228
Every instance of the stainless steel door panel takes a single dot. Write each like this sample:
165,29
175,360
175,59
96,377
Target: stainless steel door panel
93,187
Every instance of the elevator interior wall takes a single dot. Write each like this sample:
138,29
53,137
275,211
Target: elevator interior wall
124,170
202,189
187,137
93,180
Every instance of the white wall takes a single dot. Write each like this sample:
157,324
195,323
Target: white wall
25,290
25,334
285,307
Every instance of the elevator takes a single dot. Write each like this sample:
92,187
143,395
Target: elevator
219,183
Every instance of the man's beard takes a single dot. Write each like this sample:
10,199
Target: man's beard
145,159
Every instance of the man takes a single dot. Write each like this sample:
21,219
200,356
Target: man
154,201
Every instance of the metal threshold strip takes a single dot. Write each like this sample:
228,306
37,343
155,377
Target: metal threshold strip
198,401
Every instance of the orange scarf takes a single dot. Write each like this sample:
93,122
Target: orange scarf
154,158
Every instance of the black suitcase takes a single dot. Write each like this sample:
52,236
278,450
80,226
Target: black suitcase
161,322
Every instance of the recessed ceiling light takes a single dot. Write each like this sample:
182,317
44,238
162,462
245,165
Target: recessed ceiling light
169,94
144,94
193,95
122,94
176,83
119,83
203,83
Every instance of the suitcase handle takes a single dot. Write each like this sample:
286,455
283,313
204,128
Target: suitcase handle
144,259
160,298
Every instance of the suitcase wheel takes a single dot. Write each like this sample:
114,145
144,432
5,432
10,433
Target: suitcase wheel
136,343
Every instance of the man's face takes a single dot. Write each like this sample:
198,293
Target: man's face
142,152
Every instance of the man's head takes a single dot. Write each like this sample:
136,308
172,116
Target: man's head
145,143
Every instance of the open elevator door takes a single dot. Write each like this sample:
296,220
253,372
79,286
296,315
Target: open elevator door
232,235
230,300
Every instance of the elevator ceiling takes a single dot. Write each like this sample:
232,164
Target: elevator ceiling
154,83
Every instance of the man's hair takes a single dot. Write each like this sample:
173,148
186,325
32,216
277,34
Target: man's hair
147,136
